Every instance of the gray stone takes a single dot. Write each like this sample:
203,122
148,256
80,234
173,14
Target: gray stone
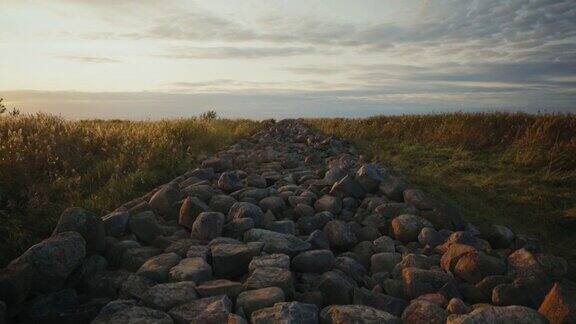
134,314
158,267
220,287
208,226
191,269
271,277
229,182
246,209
191,208
340,235
287,313
221,203
418,282
328,203
232,260
253,300
318,261
407,227
89,225
210,310
353,314
422,311
508,315
145,226
116,222
169,295
347,187
277,242
166,202
271,260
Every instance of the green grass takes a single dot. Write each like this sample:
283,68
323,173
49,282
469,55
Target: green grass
48,163
513,169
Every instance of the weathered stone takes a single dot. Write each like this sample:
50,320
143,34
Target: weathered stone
273,203
271,260
134,314
220,287
134,258
457,306
384,262
499,236
169,295
453,254
158,267
253,300
309,224
116,222
287,313
191,269
217,164
352,314
277,242
369,176
221,203
474,266
419,282
145,226
232,260
229,182
347,187
210,310
47,264
328,203
340,235
165,202
208,226
191,208
422,311
559,305
89,225
406,227
508,315
271,277
246,209
336,288
389,304
318,261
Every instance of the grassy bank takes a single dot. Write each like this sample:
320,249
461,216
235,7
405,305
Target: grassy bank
48,163
512,169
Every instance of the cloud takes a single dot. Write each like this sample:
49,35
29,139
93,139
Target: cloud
313,70
88,59
229,52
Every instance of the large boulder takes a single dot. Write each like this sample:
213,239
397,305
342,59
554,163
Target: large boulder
277,242
559,306
132,314
232,260
115,223
317,261
336,288
340,235
246,209
328,203
208,226
352,314
475,266
288,313
166,296
221,203
88,224
166,201
210,310
407,227
418,282
508,315
191,208
253,300
191,269
271,277
46,265
389,304
369,176
347,187
145,226
229,182
422,311
158,267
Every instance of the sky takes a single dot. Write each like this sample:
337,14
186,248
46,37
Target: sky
145,59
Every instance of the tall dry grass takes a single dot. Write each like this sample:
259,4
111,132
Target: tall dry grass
48,163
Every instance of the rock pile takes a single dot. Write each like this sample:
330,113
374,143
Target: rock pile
288,226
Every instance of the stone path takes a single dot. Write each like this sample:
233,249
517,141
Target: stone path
288,226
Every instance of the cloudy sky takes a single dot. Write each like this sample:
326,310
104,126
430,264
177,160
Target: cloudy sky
261,59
